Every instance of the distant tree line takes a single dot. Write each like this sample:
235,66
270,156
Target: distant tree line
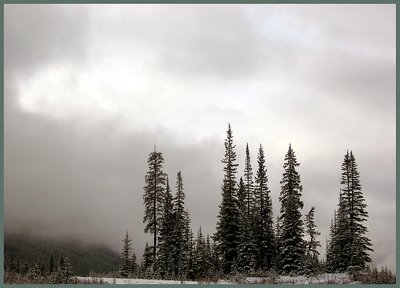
58,273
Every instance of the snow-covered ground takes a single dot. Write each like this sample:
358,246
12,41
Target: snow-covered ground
142,281
338,278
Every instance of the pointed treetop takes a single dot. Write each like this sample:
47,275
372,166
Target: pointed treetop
229,129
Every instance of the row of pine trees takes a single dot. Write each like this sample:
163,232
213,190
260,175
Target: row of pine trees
247,239
59,272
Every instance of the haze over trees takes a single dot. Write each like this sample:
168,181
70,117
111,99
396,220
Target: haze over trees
247,240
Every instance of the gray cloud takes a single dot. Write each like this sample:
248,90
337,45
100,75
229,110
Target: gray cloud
90,88
88,183
62,35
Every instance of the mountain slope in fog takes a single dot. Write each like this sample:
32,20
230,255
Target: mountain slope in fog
84,258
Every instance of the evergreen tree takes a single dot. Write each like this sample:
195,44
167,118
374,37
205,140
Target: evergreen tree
60,270
331,258
277,263
246,257
227,234
35,273
215,261
208,258
187,267
52,268
180,251
148,261
263,230
67,270
311,261
166,241
354,213
342,245
125,266
291,238
134,267
242,199
154,197
245,261
191,263
64,271
200,260
249,184
61,262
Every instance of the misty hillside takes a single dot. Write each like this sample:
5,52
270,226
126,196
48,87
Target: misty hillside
84,258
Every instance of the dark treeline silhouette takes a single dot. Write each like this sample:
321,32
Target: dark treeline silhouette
58,273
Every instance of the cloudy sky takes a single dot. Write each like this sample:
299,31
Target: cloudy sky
89,89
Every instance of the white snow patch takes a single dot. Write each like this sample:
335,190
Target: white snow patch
337,278
143,281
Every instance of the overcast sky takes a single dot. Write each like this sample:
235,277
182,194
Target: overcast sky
89,89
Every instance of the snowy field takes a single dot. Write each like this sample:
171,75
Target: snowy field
338,278
143,281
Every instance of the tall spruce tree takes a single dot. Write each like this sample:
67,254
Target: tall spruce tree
263,231
166,265
227,234
292,244
180,251
353,206
125,266
246,257
311,261
154,197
